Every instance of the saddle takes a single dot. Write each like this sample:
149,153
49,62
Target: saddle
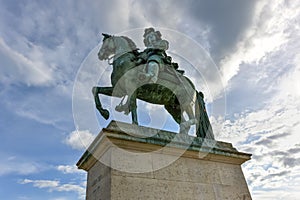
168,70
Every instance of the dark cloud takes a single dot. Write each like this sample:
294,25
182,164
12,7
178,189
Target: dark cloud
279,153
278,136
228,19
286,157
265,142
249,149
294,150
258,157
286,153
268,141
283,173
290,162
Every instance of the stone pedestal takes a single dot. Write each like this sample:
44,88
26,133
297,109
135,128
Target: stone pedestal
130,162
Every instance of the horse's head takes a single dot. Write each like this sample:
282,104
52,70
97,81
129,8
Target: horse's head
107,48
115,45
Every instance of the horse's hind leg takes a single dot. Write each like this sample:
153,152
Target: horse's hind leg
132,108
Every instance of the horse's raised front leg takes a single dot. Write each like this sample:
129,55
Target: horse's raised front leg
101,90
109,91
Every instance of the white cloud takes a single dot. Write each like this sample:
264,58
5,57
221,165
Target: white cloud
17,68
55,185
271,134
290,83
79,139
273,22
41,105
38,50
282,193
16,165
41,183
20,168
42,50
69,169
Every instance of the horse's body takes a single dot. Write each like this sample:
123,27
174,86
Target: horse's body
173,90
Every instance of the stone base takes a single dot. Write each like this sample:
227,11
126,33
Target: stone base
133,162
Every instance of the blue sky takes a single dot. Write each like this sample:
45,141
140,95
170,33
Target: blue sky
47,48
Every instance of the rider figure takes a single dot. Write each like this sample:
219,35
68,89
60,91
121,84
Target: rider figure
154,60
154,55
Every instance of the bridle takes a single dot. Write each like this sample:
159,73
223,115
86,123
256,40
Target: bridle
112,57
105,49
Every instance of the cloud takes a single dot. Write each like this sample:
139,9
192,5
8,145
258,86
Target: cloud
79,139
259,71
266,121
278,194
22,168
227,21
271,135
16,165
38,50
268,33
55,185
16,68
40,105
41,183
69,169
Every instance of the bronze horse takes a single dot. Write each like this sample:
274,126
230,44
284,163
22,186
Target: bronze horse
173,90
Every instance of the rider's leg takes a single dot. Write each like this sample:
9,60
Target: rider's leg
152,71
191,114
186,124
182,127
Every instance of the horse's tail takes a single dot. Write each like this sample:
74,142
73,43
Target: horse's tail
203,127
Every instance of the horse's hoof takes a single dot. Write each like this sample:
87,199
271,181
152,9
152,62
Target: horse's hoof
104,113
184,128
119,108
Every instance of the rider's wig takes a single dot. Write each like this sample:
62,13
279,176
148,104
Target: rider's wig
147,32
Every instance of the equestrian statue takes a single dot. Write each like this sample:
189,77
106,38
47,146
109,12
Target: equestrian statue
151,76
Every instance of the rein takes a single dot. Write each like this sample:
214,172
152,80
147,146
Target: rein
111,59
113,56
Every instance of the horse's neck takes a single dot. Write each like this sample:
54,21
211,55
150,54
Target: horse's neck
122,47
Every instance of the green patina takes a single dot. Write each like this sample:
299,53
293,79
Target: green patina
151,76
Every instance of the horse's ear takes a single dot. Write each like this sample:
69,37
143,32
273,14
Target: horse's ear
106,36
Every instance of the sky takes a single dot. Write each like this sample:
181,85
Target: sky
49,61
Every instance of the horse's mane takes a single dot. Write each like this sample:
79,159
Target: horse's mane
130,42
